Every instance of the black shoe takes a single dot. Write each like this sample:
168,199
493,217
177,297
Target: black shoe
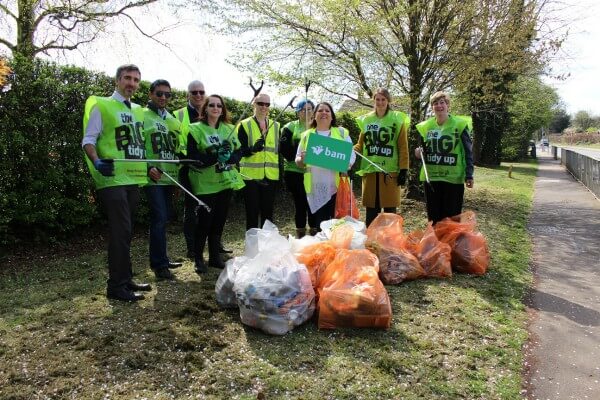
139,287
191,254
216,262
164,274
200,267
174,265
123,295
223,250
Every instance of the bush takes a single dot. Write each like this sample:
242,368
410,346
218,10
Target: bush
45,188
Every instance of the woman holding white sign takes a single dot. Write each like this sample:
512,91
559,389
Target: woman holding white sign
383,141
321,183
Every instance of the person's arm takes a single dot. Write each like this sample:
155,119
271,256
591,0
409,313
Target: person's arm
246,151
204,159
286,148
403,161
360,143
300,153
353,154
92,131
468,149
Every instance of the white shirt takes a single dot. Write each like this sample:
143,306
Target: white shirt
94,126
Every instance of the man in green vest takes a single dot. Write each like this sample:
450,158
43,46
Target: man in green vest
187,115
113,129
259,166
161,135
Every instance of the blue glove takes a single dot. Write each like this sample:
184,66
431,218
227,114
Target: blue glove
223,155
105,167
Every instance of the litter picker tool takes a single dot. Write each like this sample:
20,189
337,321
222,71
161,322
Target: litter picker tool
385,173
200,202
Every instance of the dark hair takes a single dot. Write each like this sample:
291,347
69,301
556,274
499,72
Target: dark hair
224,117
127,68
333,119
159,82
385,93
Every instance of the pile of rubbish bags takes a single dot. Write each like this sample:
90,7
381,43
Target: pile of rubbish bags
454,244
340,273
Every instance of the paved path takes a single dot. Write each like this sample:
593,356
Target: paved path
564,351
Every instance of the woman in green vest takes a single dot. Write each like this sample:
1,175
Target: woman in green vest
383,140
321,184
294,175
212,144
447,151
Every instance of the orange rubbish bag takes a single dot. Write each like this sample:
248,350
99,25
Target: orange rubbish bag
433,255
318,256
470,252
385,238
351,294
345,202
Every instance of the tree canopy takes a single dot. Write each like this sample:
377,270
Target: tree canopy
39,26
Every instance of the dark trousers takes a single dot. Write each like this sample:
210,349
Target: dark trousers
159,200
189,211
259,198
210,224
295,184
119,204
373,212
322,214
443,200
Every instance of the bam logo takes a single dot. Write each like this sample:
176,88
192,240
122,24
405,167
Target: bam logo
317,149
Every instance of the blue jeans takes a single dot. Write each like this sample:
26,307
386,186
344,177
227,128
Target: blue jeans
159,200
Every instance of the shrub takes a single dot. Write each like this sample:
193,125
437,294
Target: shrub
46,190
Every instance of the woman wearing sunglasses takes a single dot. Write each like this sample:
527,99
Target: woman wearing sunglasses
321,184
259,166
211,142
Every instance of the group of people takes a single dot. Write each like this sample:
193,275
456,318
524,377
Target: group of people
198,148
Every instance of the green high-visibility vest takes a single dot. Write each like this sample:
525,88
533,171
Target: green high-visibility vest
183,115
215,178
162,143
121,137
296,127
265,163
381,140
444,153
336,133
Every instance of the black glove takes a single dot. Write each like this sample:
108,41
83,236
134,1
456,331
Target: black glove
105,167
259,145
401,180
225,146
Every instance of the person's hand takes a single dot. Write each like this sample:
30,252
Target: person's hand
300,161
155,174
226,145
259,145
105,167
469,182
418,152
223,155
401,179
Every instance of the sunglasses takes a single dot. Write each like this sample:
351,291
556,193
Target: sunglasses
160,93
197,92
262,104
213,105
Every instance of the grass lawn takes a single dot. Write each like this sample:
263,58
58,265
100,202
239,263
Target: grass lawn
452,339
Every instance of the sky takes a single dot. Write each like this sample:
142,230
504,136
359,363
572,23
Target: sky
197,53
